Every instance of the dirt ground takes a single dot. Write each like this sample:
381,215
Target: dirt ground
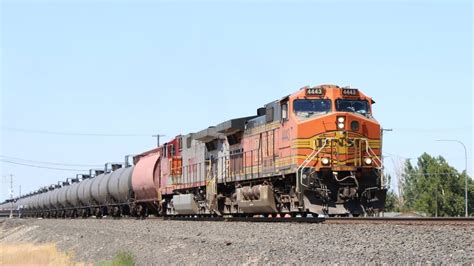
33,254
180,242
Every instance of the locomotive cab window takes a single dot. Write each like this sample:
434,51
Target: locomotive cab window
306,108
353,106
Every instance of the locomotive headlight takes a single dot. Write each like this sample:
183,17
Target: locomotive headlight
340,125
341,119
368,161
325,161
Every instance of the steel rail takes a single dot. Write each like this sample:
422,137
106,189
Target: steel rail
250,219
401,218
327,220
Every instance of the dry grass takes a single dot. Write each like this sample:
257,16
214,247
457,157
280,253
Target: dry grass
29,254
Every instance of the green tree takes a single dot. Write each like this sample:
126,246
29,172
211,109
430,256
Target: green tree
434,187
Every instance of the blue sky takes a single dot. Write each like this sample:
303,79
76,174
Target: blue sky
144,68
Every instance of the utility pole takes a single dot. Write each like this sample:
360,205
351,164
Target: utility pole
466,211
381,154
399,168
157,136
381,138
19,196
382,179
11,196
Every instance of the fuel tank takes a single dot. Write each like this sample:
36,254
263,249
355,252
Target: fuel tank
51,198
119,184
84,192
62,196
145,182
99,195
72,196
42,200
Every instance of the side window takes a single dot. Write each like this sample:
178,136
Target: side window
189,142
284,111
172,150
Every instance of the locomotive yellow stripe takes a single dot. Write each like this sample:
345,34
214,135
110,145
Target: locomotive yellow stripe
303,157
311,147
310,143
333,133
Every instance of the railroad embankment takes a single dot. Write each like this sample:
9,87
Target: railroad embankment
155,241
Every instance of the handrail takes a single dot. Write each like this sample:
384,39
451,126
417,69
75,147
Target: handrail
367,149
308,159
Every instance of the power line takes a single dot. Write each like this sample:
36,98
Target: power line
47,132
50,163
44,167
430,174
432,129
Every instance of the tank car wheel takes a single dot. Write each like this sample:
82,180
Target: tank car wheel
98,213
133,211
140,211
136,210
116,211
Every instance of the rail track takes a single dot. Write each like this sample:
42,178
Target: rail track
327,220
337,220
402,220
251,219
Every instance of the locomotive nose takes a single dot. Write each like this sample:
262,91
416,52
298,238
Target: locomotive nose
357,123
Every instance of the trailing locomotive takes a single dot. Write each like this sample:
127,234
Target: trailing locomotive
316,151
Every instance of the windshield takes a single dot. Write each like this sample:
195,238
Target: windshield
353,106
310,108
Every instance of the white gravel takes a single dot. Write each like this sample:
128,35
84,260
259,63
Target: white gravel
179,242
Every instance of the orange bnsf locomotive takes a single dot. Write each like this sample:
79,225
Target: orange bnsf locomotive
316,151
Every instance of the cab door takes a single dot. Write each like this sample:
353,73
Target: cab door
283,138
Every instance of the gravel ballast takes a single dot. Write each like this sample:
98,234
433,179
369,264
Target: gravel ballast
181,242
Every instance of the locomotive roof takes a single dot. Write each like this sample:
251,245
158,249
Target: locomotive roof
233,125
206,135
